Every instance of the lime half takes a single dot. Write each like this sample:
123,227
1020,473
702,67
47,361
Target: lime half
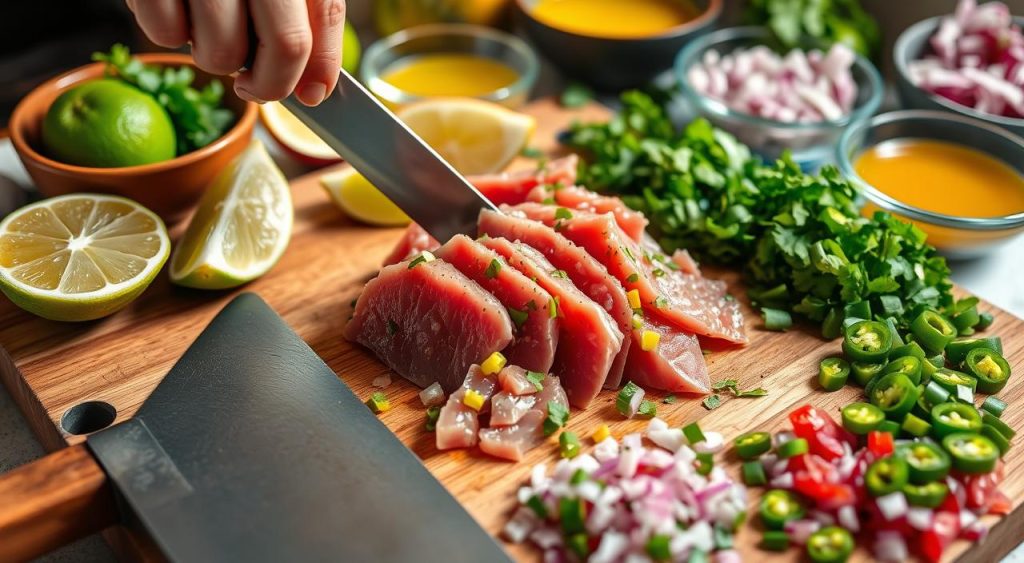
241,227
80,257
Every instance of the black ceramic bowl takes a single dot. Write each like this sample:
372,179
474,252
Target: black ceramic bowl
611,64
911,45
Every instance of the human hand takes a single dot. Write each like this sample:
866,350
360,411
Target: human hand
299,41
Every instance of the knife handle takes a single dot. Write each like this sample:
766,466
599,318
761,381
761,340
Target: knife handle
53,501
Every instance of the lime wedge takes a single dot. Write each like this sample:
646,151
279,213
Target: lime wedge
359,199
241,227
80,257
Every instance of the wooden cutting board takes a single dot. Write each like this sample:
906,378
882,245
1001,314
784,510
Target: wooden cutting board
50,367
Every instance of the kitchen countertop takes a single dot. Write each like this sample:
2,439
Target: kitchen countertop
998,278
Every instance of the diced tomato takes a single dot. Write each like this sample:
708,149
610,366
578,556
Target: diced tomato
816,468
1000,504
828,496
982,489
823,435
945,528
880,444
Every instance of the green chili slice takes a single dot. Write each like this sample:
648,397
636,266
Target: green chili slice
895,394
908,366
929,495
932,331
886,475
984,321
833,373
1002,427
957,350
793,448
830,544
889,426
753,474
861,418
752,444
950,418
989,367
915,426
971,452
779,506
949,379
992,433
926,461
909,349
864,371
966,320
935,394
994,406
867,341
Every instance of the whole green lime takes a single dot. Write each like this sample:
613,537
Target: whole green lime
106,124
350,49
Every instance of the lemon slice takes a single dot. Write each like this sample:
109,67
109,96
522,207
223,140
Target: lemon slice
241,226
80,257
359,199
474,136
294,136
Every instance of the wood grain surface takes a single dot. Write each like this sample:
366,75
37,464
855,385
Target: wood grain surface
50,367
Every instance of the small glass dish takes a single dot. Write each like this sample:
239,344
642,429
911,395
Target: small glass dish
956,237
811,144
450,38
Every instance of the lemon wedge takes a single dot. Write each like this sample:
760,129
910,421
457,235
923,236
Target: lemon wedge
241,227
80,257
474,136
300,141
359,199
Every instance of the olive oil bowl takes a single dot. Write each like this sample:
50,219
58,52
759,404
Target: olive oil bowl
605,59
960,220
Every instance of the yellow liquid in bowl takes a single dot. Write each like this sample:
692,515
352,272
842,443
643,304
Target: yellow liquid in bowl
449,74
615,19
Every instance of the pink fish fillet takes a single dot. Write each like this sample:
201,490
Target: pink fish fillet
457,424
633,223
507,408
513,441
535,329
589,339
689,302
429,322
676,364
586,273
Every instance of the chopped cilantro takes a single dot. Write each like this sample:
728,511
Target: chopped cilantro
536,378
557,417
518,317
493,269
712,402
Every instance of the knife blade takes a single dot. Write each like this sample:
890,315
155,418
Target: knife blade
394,159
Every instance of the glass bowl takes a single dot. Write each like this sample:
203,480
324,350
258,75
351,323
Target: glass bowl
956,237
450,38
811,144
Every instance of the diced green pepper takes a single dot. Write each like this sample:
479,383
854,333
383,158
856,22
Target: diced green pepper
752,444
579,544
949,379
966,320
989,367
658,547
909,349
832,373
861,418
886,475
984,321
926,461
971,452
933,331
569,444
775,540
867,341
915,426
995,422
992,433
705,463
950,418
832,326
935,394
693,433
857,310
572,512
792,448
889,426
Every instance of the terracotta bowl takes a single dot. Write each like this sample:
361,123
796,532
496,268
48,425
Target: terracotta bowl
169,188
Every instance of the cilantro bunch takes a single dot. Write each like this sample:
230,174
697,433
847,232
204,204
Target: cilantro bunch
800,238
197,115
824,22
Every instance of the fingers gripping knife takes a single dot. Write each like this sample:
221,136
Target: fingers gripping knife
250,449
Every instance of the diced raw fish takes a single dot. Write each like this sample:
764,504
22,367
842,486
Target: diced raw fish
414,240
686,263
689,302
428,323
553,391
631,222
589,339
507,408
584,272
512,442
458,424
512,379
512,187
676,364
535,330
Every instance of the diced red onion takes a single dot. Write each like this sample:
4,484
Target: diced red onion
671,438
712,444
784,481
889,546
432,396
656,424
612,546
518,528
382,381
629,460
847,516
546,538
892,505
606,450
920,518
782,437
727,556
822,517
800,530
975,532
967,518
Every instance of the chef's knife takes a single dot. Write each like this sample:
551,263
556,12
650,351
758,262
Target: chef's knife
394,159
250,449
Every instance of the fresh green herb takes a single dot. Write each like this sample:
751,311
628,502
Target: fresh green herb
536,378
800,239
518,317
633,278
733,386
724,384
199,117
561,274
660,302
648,409
669,399
557,417
776,319
493,269
759,392
433,413
712,402
624,399
532,152
824,22
553,307
576,95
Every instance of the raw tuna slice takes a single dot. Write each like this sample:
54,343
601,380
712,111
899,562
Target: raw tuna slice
508,188
457,424
414,240
583,271
512,442
535,329
429,322
633,223
676,364
689,302
507,408
589,340
686,263
512,379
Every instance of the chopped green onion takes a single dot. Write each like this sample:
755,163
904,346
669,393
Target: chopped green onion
493,269
774,540
995,422
793,448
753,474
915,426
560,274
693,433
518,317
657,547
624,400
569,444
648,409
553,307
537,505
705,463
563,213
994,406
572,513
984,321
776,319
633,278
660,302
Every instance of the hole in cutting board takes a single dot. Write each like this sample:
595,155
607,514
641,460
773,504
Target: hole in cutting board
88,417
